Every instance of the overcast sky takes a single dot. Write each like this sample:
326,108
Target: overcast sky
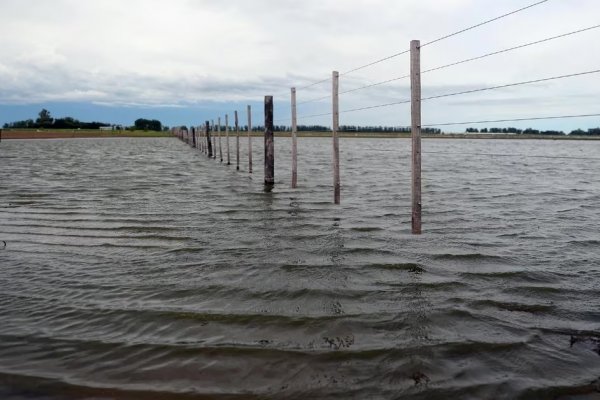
184,61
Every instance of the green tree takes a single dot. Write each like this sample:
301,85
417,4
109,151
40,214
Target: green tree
45,119
148,125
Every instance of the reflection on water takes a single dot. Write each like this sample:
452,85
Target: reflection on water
139,268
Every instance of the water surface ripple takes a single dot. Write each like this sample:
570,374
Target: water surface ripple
140,269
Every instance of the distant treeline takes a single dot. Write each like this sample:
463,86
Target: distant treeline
45,121
530,131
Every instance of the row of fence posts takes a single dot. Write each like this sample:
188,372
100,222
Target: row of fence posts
207,143
269,159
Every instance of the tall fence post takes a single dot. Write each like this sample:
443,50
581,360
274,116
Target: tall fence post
237,142
227,135
193,137
209,144
336,144
249,139
294,141
415,88
269,144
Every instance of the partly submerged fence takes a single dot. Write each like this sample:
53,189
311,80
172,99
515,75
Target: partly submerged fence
208,138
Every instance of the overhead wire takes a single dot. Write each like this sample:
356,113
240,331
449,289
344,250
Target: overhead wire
468,60
483,23
511,120
442,38
510,49
510,85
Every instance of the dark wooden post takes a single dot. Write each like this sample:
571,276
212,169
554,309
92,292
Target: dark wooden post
193,137
237,142
214,138
219,133
249,140
336,143
227,136
294,142
269,144
415,85
209,144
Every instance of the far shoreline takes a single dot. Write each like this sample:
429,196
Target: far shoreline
9,134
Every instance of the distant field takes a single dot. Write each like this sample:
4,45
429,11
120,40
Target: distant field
70,133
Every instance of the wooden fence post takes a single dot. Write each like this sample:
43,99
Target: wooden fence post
237,141
209,144
214,138
269,144
193,137
220,144
336,144
415,87
294,142
249,139
204,136
227,134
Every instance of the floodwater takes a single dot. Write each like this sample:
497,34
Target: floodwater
141,269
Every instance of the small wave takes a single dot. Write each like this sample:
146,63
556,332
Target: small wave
410,267
468,257
515,307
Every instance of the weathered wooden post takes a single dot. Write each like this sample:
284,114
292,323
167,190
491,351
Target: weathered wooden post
193,137
200,137
249,139
227,134
219,132
214,138
208,144
269,144
336,144
237,141
294,142
207,138
415,88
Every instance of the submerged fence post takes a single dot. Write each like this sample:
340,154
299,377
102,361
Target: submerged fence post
269,144
194,137
214,138
336,144
227,134
249,139
209,145
415,88
237,141
220,144
294,142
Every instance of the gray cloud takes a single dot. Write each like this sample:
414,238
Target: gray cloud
178,52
